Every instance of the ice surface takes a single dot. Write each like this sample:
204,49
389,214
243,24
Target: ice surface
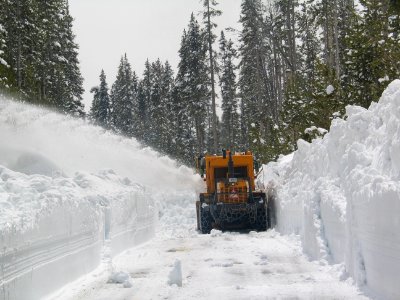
341,194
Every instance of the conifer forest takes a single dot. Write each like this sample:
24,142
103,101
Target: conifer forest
294,67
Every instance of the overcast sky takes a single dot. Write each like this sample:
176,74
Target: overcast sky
106,29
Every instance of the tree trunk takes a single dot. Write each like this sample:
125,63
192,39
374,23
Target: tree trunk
19,48
210,50
336,33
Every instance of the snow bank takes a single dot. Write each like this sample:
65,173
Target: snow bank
59,223
341,194
68,190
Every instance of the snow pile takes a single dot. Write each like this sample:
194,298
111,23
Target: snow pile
121,278
177,213
67,190
341,194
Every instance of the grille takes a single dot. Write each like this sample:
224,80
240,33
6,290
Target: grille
233,194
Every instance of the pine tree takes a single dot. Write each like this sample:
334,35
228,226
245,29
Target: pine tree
210,11
19,34
123,99
192,84
319,66
156,100
309,48
184,141
137,121
141,113
256,98
4,65
49,62
167,118
285,21
39,56
71,78
313,107
100,110
230,126
372,54
145,103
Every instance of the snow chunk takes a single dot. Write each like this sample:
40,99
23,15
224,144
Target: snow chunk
118,277
330,89
3,62
127,284
175,276
386,78
320,131
121,278
215,233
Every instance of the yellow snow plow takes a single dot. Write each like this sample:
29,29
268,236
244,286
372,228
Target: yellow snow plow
231,200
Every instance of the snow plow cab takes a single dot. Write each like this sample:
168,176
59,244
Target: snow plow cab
231,200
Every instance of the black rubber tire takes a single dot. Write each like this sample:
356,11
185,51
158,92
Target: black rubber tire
205,221
261,220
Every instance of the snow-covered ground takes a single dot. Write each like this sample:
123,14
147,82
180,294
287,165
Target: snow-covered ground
180,263
341,194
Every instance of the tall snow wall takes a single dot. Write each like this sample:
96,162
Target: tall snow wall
341,194
69,192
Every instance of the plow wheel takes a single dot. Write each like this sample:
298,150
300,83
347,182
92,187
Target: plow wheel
205,221
261,220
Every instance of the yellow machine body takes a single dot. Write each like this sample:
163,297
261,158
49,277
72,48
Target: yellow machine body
231,199
218,165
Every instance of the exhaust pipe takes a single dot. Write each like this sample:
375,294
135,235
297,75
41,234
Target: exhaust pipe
231,170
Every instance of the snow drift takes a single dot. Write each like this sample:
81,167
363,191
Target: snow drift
341,194
68,190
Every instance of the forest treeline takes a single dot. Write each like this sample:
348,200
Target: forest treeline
294,67
38,55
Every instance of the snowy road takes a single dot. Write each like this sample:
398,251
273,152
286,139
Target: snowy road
228,265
